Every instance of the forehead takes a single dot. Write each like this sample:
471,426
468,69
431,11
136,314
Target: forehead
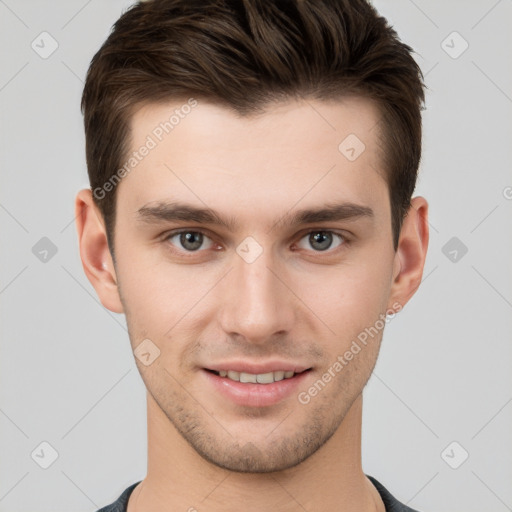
306,151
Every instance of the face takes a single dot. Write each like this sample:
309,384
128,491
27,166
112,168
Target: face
256,246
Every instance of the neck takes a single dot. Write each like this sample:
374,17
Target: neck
180,479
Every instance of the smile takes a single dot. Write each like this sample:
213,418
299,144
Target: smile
255,389
256,378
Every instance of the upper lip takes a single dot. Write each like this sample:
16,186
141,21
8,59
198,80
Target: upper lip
258,368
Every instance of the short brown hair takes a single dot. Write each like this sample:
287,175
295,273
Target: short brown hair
244,54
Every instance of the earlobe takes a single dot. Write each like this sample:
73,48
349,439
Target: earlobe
94,251
411,253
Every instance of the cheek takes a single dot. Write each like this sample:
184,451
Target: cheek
351,300
160,299
146,295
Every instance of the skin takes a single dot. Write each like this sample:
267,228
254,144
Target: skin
293,303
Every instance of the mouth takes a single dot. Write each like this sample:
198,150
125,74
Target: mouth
257,378
250,389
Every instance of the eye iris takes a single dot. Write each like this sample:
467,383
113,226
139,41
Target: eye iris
191,240
320,240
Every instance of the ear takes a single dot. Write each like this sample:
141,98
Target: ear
410,254
94,251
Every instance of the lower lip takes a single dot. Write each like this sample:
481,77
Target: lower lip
255,395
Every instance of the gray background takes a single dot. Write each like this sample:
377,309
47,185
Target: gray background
67,375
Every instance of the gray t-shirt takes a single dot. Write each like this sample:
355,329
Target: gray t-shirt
391,503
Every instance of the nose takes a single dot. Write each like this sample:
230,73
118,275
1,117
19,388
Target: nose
256,304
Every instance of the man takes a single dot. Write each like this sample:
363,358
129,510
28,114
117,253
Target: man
252,165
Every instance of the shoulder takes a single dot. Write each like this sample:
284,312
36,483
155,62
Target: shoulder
390,502
121,503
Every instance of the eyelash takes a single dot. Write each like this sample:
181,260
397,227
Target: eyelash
345,240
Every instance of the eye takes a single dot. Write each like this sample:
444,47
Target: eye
194,241
321,240
190,241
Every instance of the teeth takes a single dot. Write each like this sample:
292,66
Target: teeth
233,375
278,376
260,378
264,378
248,377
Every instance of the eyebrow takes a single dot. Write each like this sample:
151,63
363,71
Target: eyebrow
177,211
